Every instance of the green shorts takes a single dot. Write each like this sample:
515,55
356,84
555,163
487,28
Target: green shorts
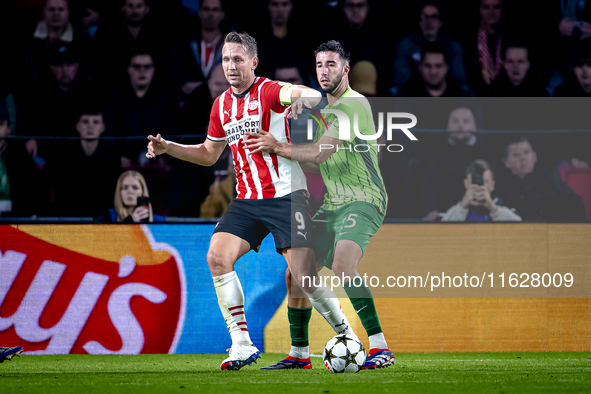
357,221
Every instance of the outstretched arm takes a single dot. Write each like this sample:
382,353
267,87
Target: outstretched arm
300,97
315,153
205,154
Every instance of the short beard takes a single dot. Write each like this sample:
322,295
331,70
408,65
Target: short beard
334,85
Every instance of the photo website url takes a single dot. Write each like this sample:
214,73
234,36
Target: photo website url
488,280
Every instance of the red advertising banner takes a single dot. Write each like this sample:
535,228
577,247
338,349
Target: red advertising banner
74,289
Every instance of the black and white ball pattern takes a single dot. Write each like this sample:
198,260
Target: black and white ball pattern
343,353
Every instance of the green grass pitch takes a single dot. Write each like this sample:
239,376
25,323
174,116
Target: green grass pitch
413,373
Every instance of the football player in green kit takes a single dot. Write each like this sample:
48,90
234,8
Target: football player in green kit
355,203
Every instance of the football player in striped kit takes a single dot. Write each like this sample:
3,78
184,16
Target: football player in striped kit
272,197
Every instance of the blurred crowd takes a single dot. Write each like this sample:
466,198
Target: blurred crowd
83,82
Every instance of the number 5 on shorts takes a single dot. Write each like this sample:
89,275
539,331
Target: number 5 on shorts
349,219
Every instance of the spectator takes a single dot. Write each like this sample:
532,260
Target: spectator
203,53
190,118
55,25
433,79
131,186
535,192
55,102
54,28
358,31
221,192
576,19
516,80
580,84
364,78
477,205
28,191
208,50
189,183
445,163
135,28
280,43
483,58
5,203
139,106
408,52
291,75
83,172
8,99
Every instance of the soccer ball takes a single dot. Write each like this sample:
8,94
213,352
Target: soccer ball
343,353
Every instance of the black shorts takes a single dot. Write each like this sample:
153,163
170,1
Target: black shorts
287,218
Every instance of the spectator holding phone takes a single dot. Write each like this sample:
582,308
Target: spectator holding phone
446,161
477,205
82,172
132,201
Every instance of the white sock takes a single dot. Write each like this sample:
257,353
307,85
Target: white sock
300,351
378,341
231,302
327,304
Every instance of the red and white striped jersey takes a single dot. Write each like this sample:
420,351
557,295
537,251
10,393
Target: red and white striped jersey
260,175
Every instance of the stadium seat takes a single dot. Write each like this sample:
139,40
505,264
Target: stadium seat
579,179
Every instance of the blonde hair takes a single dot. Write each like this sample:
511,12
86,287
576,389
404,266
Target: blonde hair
122,210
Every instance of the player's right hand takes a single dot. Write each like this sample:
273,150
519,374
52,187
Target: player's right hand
297,108
156,146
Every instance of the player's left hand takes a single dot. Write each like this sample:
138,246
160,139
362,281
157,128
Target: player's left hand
263,141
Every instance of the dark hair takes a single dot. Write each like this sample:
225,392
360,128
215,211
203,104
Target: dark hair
515,140
478,167
221,5
146,2
140,51
432,4
336,47
434,47
65,1
247,41
514,45
480,3
583,56
91,107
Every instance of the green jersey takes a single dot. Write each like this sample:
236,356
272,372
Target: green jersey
351,173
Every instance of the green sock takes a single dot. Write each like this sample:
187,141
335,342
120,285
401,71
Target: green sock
298,325
365,307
